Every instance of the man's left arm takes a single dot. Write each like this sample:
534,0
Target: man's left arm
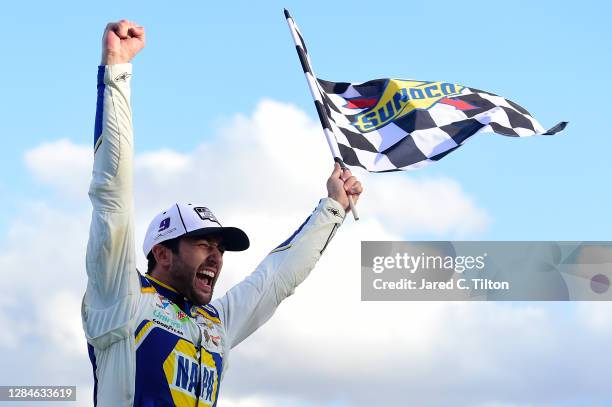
249,304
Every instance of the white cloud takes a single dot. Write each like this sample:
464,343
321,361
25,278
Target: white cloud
42,274
265,173
435,206
596,316
261,401
276,155
59,313
61,165
13,330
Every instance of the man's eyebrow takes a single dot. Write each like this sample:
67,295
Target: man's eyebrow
212,239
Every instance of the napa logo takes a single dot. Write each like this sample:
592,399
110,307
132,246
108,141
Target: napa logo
192,379
401,97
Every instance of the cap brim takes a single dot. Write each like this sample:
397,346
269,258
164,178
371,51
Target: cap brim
234,239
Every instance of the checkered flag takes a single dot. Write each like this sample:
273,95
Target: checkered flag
393,124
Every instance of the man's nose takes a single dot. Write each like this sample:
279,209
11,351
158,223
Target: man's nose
215,255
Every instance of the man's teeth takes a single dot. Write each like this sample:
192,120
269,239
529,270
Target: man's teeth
207,273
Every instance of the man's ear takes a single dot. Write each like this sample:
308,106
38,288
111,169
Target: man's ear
163,255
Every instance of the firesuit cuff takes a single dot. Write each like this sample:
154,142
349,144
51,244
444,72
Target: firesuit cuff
333,209
107,74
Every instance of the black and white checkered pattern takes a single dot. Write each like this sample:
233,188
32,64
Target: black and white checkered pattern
412,140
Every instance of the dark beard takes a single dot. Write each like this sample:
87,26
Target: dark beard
183,276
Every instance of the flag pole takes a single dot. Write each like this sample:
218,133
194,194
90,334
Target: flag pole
318,100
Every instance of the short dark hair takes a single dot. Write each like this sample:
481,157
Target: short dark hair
172,244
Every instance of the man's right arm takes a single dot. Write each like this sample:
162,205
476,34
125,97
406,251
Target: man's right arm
249,304
113,286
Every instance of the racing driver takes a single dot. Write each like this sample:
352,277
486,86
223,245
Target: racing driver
158,339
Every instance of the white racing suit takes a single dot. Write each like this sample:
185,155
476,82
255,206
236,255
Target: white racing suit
150,346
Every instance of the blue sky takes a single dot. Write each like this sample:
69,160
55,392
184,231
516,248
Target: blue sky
204,64
221,80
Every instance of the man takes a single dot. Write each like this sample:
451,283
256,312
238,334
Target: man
157,339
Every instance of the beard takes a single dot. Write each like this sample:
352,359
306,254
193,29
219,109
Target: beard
184,277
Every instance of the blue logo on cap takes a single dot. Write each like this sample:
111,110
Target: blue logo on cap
164,224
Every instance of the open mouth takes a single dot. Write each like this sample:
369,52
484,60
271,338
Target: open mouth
206,278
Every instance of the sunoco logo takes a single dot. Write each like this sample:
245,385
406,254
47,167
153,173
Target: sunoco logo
401,97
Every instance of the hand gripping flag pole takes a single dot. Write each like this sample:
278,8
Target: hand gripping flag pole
315,91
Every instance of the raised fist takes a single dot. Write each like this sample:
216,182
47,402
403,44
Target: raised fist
121,42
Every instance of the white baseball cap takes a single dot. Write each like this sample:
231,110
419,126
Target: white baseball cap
191,220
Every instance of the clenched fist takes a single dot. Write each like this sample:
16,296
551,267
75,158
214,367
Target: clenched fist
121,42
